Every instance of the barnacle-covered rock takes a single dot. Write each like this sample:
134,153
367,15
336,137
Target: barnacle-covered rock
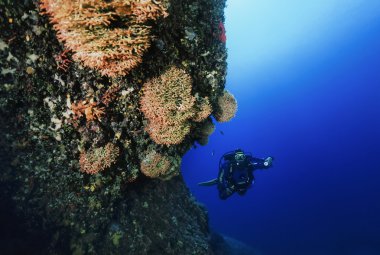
61,123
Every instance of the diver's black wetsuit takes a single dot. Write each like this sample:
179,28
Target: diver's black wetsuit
237,175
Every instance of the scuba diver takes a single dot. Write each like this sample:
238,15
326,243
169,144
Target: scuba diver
236,172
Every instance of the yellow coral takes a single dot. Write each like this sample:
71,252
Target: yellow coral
110,36
170,107
167,103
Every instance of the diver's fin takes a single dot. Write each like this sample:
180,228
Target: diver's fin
209,183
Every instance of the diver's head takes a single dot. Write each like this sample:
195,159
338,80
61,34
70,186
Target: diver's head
239,155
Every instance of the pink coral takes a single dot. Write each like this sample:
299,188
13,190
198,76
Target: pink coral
222,32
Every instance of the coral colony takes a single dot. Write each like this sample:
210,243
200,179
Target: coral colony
112,37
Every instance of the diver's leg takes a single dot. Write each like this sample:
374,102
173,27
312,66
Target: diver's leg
225,193
225,189
242,192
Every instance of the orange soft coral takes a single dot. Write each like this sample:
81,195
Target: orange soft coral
88,109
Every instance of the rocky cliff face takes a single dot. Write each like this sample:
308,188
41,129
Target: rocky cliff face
87,164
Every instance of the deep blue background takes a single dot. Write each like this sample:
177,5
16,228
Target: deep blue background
306,75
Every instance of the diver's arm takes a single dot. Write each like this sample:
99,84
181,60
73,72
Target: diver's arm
259,163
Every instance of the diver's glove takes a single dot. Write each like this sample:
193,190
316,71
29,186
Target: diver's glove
268,162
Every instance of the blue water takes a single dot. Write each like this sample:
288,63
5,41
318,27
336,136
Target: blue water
306,75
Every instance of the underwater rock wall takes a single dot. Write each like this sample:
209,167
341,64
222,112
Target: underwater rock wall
81,164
